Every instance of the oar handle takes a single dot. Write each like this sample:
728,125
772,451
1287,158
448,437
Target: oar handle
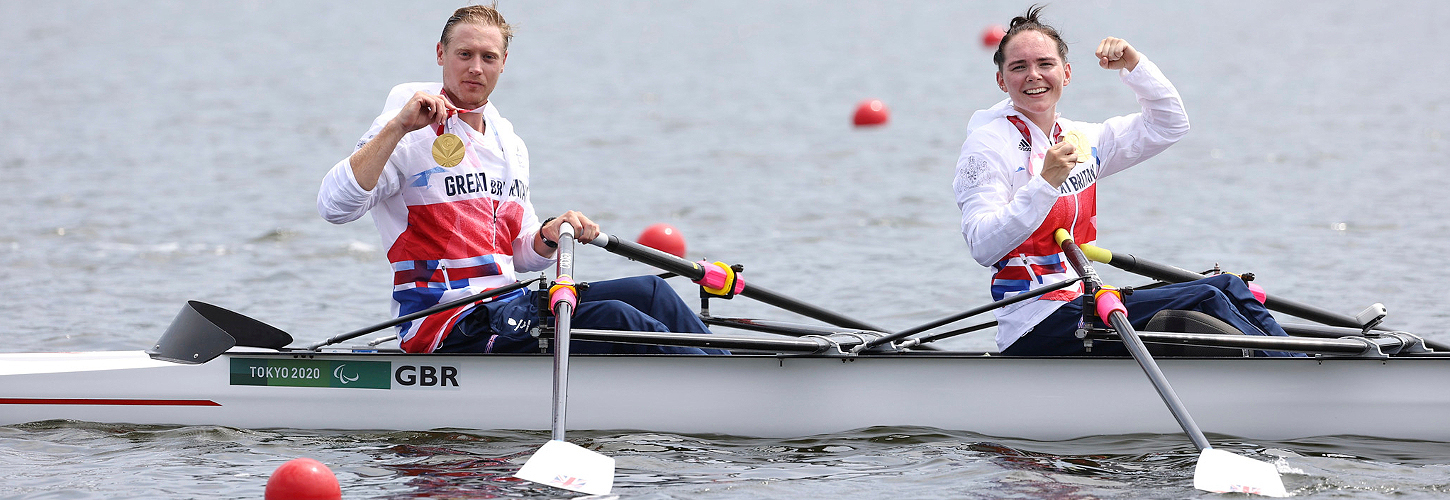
1116,315
565,263
1078,260
695,272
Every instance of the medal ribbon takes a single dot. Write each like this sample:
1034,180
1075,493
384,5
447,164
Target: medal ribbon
1027,136
439,128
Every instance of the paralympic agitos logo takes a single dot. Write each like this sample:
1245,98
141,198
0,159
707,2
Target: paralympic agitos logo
342,376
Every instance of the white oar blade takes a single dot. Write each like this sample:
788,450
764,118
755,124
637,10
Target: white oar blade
1223,472
569,466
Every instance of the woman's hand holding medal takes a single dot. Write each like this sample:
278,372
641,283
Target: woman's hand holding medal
1064,156
1058,164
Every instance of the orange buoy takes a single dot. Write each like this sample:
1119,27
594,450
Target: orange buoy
992,36
871,112
303,479
663,237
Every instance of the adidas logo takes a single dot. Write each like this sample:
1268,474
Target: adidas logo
1023,145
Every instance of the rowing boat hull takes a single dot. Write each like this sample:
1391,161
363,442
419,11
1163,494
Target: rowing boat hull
767,396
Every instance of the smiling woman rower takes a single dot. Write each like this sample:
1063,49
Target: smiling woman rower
1016,184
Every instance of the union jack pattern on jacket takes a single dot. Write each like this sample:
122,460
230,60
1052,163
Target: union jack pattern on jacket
1009,212
450,232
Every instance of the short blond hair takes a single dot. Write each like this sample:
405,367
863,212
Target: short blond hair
486,15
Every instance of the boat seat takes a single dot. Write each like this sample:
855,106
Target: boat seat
1175,321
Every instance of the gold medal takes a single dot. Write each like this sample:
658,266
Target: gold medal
448,150
1079,143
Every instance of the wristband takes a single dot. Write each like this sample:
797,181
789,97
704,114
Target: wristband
547,243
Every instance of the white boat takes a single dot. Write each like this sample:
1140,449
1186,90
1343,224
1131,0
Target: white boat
217,367
749,395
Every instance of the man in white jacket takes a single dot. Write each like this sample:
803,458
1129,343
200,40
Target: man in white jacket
447,182
1018,181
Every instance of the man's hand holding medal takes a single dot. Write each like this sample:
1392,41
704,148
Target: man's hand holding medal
424,109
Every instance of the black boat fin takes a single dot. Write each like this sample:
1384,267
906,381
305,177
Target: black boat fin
202,331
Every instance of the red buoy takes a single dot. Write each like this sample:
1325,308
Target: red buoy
303,479
992,36
663,237
871,112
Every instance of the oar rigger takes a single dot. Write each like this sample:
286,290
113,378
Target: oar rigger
1096,310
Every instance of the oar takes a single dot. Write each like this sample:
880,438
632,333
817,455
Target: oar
695,272
834,344
426,312
968,313
1132,264
927,339
1173,274
1402,344
560,463
1217,471
776,327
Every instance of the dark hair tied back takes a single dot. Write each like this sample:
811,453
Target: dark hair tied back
1029,22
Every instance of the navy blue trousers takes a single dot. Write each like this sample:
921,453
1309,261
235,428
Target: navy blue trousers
641,304
1225,297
